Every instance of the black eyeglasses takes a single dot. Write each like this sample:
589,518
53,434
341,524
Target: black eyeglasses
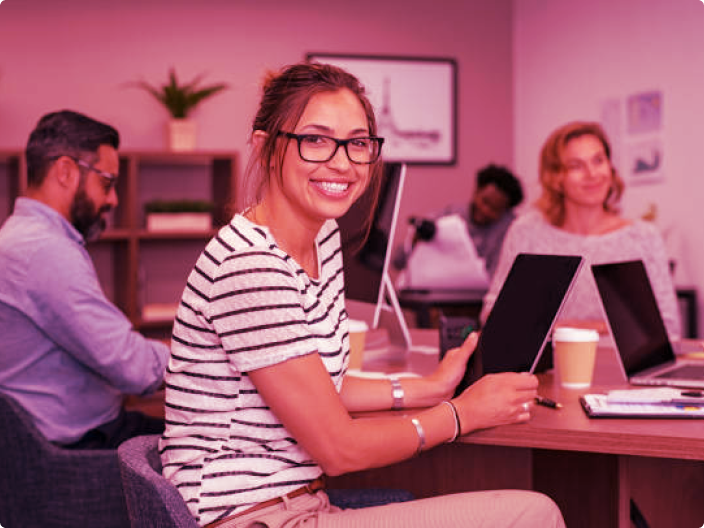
317,148
110,178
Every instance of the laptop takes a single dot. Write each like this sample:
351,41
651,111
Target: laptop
518,326
646,353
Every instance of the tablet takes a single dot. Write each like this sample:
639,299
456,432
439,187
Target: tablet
518,326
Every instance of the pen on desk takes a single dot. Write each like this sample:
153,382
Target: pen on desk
547,402
693,393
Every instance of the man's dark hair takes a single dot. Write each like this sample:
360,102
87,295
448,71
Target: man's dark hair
504,180
64,133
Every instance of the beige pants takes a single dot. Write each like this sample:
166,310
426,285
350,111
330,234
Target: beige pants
506,509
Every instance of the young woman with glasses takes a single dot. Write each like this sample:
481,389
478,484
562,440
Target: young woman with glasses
258,402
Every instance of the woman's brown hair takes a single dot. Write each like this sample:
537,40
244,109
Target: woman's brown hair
285,96
552,200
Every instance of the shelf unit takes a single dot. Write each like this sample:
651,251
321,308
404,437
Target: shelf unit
137,267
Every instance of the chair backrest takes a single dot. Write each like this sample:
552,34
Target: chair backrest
42,484
151,499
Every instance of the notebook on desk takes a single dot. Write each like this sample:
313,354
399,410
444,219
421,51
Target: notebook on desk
599,406
647,356
514,335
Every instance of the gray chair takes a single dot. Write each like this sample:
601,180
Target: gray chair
43,485
153,502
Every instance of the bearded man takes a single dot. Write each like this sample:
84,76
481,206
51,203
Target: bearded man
67,354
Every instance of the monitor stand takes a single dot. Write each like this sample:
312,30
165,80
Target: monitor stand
388,295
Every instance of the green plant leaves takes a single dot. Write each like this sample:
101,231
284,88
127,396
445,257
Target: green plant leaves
181,99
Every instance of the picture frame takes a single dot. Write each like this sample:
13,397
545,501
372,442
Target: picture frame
415,101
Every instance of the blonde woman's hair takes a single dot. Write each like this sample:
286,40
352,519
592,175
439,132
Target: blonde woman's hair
552,169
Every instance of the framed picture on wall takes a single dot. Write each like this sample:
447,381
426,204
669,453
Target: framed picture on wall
415,100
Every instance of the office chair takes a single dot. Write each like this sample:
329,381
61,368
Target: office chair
43,485
153,501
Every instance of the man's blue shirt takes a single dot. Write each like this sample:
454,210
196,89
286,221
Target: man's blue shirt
67,354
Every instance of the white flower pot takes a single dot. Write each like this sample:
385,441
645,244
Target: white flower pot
181,134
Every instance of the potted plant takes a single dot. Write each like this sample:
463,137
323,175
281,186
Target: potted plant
179,215
180,99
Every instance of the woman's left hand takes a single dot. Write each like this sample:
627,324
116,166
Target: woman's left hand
419,392
452,367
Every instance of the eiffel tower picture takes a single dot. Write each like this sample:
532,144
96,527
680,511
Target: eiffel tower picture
397,137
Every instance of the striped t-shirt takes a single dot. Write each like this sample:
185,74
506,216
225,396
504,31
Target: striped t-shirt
246,305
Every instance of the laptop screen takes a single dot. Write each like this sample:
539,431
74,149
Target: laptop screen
520,321
634,317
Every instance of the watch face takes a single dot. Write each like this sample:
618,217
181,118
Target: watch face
397,393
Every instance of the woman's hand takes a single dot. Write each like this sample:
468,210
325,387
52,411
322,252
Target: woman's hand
497,399
451,369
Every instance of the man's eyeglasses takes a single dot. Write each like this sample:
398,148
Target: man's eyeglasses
316,148
110,179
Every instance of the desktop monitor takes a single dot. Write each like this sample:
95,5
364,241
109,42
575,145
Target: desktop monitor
367,262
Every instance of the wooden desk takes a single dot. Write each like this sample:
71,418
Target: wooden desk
590,467
593,467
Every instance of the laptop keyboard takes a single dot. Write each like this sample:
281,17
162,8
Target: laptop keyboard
692,372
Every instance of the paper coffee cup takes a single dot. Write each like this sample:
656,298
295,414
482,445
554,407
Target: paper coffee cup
358,334
575,355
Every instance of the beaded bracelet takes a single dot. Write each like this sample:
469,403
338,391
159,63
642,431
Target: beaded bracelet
421,435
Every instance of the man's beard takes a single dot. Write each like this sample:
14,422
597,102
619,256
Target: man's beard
84,217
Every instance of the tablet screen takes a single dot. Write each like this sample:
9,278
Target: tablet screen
519,324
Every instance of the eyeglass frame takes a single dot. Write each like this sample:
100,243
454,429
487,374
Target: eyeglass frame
109,176
338,143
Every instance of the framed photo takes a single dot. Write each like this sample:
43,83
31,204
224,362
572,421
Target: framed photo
644,161
415,100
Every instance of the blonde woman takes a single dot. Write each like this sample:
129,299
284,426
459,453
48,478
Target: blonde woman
578,214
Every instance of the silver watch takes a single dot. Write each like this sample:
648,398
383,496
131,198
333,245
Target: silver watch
396,392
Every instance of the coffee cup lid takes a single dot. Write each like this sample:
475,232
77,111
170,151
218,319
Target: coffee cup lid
564,333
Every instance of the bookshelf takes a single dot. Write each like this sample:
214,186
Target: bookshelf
141,271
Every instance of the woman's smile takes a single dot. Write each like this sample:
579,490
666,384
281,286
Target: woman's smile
332,188
324,190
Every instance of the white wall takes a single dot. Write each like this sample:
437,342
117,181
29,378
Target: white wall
81,53
572,56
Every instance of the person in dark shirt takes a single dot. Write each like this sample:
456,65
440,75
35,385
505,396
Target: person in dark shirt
487,216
